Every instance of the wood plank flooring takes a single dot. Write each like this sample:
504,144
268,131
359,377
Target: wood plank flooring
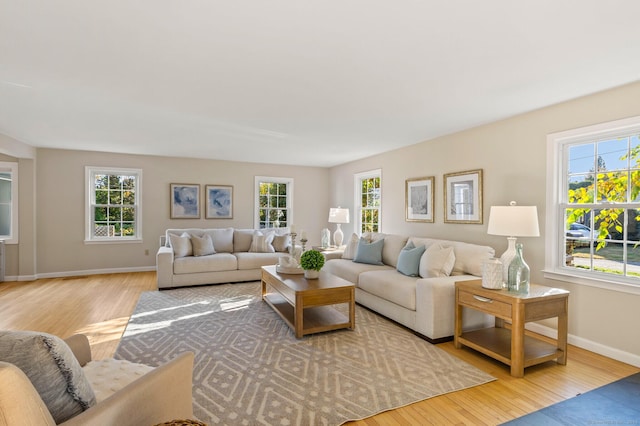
100,305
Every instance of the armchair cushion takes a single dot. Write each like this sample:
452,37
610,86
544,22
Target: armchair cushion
107,376
53,370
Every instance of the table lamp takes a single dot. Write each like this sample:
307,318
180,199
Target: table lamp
338,216
512,221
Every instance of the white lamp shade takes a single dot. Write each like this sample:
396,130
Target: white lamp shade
338,215
513,221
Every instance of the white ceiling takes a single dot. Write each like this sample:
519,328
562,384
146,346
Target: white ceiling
309,82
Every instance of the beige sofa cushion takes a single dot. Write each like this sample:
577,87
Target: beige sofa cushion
181,244
469,257
222,239
214,263
393,244
242,239
349,270
202,246
262,242
437,261
251,260
390,285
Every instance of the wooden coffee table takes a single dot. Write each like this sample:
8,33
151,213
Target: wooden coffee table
308,306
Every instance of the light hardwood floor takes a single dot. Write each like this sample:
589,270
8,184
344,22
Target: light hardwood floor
100,306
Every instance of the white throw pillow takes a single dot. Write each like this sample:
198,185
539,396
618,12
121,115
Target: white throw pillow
202,246
181,245
437,261
351,247
261,243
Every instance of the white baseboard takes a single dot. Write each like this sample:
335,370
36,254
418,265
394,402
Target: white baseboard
79,273
589,345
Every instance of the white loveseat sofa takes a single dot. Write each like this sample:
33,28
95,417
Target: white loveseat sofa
238,255
424,303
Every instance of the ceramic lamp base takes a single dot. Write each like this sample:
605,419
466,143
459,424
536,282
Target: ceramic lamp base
338,236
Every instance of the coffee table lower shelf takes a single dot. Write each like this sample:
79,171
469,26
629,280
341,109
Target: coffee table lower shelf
316,319
496,343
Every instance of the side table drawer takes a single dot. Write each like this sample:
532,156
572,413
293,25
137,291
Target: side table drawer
485,304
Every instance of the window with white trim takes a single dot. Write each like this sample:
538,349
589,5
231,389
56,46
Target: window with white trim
274,202
368,202
593,205
113,204
9,202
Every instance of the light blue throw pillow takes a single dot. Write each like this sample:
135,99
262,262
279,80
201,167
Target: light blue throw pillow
409,259
370,253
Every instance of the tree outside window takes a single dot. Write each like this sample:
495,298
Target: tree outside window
114,204
273,202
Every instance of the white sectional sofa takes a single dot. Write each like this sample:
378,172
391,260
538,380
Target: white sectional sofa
424,303
183,258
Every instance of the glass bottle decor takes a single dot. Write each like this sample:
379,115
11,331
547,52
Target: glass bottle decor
518,278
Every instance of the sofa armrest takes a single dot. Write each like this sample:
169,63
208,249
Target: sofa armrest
79,344
435,307
20,403
161,395
164,267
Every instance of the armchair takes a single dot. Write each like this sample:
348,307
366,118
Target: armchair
163,394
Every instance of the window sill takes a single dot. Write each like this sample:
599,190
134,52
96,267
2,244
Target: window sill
630,287
114,241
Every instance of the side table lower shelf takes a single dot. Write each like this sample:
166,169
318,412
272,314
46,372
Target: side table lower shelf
496,343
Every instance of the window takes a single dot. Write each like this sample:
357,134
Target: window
9,202
368,201
594,205
113,207
274,201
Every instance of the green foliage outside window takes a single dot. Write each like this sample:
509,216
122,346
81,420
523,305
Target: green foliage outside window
114,210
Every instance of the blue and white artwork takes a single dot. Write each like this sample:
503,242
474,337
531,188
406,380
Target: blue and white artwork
185,201
219,202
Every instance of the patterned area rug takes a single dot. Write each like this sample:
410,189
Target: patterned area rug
250,369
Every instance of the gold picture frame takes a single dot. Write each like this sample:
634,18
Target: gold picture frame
463,197
418,199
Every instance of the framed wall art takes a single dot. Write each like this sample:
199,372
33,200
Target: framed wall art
219,201
463,197
185,201
419,199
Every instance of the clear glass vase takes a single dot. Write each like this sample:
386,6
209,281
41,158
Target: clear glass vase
518,278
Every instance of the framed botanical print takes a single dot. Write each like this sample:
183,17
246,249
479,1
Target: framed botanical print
463,197
418,199
185,201
219,201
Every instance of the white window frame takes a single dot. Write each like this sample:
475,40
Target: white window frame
555,221
90,172
268,179
357,201
12,168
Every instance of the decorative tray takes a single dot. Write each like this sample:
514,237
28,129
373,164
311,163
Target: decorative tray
286,270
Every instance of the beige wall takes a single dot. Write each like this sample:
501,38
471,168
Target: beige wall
61,208
512,154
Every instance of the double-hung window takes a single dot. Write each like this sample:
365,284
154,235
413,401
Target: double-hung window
9,202
274,202
368,201
593,214
113,204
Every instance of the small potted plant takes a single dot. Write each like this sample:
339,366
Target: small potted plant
311,261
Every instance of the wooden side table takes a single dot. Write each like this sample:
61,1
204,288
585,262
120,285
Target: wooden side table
513,347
